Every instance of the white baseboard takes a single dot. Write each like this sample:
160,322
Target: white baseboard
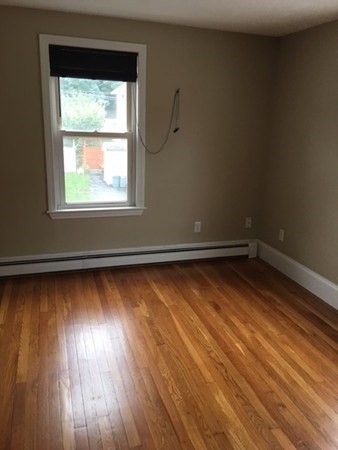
124,257
318,285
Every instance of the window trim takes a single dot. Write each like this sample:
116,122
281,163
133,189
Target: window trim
52,147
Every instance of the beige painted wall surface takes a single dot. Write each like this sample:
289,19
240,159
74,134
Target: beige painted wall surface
302,167
210,171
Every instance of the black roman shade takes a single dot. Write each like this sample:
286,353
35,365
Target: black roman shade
95,64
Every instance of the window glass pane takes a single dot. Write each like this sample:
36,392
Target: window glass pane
96,170
93,105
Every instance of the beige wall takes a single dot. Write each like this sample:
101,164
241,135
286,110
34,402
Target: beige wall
301,191
210,171
259,137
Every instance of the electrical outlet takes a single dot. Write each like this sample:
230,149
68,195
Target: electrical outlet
248,222
197,227
281,235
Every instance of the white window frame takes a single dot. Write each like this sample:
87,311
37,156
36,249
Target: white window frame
57,207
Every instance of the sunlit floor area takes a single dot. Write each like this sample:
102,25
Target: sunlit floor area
226,354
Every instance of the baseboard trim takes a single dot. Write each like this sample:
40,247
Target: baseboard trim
318,285
124,257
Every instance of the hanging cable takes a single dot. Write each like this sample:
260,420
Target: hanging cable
174,113
177,111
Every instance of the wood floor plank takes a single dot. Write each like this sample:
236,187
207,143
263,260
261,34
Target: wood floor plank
18,423
31,398
225,374
5,294
81,438
9,353
42,421
226,354
112,349
67,421
54,366
22,368
160,370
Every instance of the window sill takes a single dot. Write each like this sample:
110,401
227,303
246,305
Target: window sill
95,212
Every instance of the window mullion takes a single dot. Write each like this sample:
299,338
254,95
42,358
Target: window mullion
95,134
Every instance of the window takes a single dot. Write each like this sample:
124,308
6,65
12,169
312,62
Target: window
93,101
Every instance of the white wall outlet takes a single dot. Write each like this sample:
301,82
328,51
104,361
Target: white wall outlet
281,235
248,222
197,227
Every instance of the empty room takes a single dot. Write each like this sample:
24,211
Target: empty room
169,224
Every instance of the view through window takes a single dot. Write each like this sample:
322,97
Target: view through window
95,159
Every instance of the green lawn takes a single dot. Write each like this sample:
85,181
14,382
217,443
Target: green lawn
77,187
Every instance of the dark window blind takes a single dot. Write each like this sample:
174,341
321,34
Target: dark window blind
95,64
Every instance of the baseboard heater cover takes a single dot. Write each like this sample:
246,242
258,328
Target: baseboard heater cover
126,257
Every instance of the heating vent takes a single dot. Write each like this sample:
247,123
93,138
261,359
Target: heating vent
125,257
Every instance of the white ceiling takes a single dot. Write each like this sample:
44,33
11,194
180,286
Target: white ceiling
267,17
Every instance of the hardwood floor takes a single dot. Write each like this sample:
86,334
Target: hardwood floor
209,355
